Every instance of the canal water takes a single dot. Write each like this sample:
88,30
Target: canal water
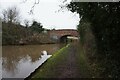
20,61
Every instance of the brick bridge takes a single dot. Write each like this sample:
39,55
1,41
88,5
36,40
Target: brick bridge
62,34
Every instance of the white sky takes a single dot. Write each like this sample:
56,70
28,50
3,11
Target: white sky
46,12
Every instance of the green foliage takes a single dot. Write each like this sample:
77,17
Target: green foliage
83,29
105,21
37,27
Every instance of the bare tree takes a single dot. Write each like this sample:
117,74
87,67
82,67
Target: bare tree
4,15
11,15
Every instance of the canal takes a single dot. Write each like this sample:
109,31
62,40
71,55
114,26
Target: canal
20,61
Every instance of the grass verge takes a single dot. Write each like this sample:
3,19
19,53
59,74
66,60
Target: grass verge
47,70
83,63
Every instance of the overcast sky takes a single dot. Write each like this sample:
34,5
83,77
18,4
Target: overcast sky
46,12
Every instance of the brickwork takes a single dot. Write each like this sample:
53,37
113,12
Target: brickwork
63,32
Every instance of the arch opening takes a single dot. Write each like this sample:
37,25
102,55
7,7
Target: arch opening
64,39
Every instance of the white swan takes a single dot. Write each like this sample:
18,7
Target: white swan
45,54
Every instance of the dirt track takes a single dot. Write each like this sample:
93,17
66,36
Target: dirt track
70,68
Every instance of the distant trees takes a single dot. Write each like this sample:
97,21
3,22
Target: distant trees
11,15
15,33
11,26
36,27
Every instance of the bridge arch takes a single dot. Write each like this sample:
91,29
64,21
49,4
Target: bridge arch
64,39
63,35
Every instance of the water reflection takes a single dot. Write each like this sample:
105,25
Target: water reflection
19,61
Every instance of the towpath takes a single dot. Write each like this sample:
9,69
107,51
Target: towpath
69,63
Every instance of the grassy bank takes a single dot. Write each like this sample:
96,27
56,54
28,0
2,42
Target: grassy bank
47,70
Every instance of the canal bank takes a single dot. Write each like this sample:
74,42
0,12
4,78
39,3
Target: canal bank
68,62
48,64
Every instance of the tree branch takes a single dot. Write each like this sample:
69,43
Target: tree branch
32,8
